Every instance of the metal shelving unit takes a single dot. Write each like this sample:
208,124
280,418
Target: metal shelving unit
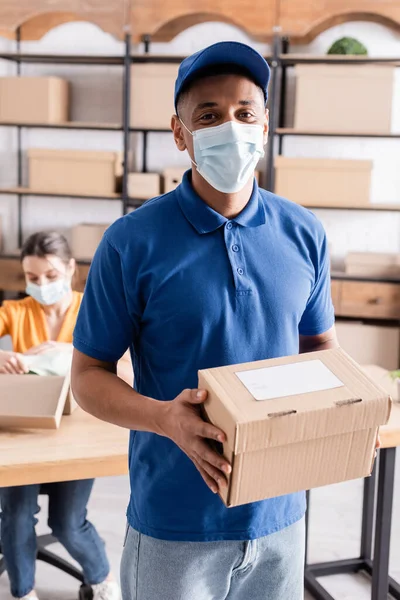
125,62
279,61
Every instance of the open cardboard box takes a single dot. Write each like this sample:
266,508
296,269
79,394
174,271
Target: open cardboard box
33,401
294,423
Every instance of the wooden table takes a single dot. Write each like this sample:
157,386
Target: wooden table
376,514
82,448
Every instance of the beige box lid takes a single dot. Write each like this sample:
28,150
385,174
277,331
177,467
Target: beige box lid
373,259
252,425
286,162
32,401
74,155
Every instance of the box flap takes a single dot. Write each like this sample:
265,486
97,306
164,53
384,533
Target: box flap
355,405
285,162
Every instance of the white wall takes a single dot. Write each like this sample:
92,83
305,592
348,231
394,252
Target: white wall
97,95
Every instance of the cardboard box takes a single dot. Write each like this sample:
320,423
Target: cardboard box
74,172
348,98
322,181
34,100
143,185
85,238
152,95
370,344
373,264
34,402
172,178
294,423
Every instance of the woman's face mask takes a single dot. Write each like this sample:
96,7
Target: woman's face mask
49,293
226,155
48,279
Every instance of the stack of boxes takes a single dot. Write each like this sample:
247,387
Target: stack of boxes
336,99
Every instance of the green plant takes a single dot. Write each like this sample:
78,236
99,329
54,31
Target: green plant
348,45
395,374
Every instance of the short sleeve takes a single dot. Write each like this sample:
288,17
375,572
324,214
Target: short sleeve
106,324
4,322
319,315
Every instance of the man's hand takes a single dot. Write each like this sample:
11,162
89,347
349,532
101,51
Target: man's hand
181,422
11,363
47,347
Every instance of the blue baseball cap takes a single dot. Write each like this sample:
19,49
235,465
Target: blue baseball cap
233,53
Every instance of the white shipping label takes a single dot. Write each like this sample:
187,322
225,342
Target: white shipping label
289,380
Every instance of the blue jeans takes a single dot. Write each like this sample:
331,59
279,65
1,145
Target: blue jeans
67,520
270,568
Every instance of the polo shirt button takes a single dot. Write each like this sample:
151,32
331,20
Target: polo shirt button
229,225
240,271
235,248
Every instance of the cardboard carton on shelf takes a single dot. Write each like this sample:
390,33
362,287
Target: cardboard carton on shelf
74,171
341,98
294,423
323,181
152,93
373,264
33,100
34,402
85,238
143,185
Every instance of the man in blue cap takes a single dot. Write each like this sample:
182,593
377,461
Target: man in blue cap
216,272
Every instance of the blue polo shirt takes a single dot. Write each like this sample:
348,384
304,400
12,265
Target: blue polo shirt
187,289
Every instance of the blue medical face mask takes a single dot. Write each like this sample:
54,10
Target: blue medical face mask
49,293
226,155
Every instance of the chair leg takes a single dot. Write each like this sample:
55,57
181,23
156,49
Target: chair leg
85,592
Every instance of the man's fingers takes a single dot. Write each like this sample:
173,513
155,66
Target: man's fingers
208,431
208,455
213,472
208,480
197,396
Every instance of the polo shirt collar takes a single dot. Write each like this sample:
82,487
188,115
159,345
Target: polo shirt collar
205,219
